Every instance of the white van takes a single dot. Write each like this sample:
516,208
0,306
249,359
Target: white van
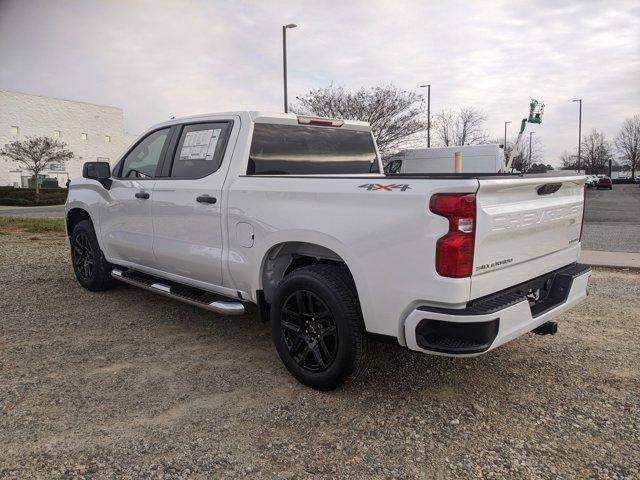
475,159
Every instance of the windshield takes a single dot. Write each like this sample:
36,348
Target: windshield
310,150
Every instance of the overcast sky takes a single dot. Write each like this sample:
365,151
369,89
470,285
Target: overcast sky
157,59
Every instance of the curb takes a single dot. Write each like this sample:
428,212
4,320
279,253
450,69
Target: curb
611,259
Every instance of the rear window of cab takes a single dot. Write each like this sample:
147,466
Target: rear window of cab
310,150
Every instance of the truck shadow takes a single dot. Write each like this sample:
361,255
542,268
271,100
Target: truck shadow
247,347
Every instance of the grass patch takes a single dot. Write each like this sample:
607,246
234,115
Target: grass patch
31,225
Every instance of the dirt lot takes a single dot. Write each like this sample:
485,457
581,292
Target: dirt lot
126,384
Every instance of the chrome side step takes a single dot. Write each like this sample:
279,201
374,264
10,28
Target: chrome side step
192,296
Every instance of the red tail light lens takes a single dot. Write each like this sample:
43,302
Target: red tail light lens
320,121
454,251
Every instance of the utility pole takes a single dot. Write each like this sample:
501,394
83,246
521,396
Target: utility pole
505,136
530,134
428,114
284,62
579,132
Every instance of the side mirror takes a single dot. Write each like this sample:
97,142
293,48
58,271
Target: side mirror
100,171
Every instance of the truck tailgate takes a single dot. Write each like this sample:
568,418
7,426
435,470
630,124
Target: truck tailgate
525,227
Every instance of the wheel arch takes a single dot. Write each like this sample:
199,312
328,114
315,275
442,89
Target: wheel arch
285,257
74,216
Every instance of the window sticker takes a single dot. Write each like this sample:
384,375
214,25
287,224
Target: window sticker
200,144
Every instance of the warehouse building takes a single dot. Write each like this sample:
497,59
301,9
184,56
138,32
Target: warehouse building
92,132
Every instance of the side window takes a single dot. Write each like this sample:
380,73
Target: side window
393,166
200,149
144,158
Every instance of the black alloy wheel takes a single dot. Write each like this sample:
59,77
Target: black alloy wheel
309,331
92,270
83,256
317,327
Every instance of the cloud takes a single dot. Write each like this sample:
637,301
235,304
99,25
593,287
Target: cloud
157,59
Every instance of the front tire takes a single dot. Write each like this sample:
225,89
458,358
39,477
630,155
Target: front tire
91,268
317,327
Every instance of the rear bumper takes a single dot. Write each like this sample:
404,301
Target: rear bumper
496,319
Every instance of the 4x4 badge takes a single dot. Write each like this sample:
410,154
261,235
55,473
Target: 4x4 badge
386,186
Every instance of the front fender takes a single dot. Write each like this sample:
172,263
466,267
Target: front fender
89,196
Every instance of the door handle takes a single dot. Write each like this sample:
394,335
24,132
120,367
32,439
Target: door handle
206,199
144,195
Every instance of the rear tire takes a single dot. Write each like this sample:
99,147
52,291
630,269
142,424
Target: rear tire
317,327
91,268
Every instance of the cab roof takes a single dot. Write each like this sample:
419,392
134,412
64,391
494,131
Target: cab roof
269,117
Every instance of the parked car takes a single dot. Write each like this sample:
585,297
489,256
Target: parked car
591,181
294,214
604,182
636,179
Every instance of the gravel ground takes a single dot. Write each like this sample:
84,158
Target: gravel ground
126,384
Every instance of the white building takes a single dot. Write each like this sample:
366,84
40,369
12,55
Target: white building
91,132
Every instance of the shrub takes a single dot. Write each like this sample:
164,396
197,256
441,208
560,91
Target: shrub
27,196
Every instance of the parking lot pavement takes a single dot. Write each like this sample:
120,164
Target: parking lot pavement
45,211
128,384
612,219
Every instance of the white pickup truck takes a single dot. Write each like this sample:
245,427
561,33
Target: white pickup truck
293,214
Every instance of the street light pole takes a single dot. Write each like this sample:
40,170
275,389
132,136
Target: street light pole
284,61
428,114
579,131
505,135
530,133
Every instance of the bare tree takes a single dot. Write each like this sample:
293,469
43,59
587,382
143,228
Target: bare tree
596,152
628,143
396,116
569,161
521,161
539,168
462,127
443,126
35,154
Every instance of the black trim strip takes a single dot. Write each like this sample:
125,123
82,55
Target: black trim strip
456,337
439,176
445,176
554,285
380,337
167,158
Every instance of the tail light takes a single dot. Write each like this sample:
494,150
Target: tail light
454,251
